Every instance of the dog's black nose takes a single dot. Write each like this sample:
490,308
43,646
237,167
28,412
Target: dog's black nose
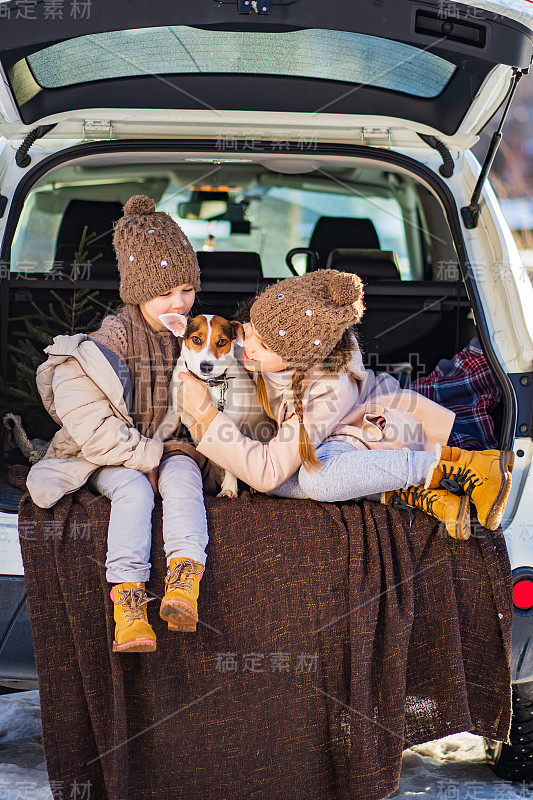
206,368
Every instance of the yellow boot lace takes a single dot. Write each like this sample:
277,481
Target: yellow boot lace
133,602
182,575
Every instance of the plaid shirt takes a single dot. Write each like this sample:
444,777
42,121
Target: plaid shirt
465,384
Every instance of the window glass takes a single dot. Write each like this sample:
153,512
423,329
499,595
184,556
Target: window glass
326,54
33,247
281,218
284,218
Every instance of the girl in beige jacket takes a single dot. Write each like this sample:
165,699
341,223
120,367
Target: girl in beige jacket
343,432
108,391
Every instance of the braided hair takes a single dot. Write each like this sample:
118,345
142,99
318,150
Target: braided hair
306,447
337,361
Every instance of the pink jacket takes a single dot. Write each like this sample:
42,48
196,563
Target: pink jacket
343,406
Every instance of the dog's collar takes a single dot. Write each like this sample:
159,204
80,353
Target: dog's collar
221,381
212,381
215,381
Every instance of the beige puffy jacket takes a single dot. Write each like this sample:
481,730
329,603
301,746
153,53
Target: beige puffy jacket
81,388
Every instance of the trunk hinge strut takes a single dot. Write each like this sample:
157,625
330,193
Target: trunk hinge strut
259,6
470,213
22,158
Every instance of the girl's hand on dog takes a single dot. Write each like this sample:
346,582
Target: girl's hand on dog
193,396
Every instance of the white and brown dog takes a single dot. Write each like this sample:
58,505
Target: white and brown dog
207,351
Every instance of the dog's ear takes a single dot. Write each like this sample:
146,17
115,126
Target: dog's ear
177,323
238,332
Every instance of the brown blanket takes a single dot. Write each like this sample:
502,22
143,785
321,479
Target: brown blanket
331,637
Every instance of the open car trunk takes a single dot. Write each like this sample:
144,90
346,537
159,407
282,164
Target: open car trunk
390,220
373,200
410,66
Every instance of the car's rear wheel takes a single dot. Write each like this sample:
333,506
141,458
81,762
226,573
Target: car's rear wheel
514,761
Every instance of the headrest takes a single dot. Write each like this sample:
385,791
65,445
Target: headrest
370,265
229,266
331,233
99,217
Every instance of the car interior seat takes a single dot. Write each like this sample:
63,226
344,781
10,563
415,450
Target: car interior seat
230,266
369,264
331,233
228,278
99,217
398,318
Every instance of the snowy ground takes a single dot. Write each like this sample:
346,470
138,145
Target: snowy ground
448,769
22,769
454,768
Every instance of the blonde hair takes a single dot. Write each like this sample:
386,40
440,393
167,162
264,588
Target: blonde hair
306,448
262,395
336,361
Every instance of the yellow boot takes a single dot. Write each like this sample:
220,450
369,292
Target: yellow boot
448,508
483,475
133,632
179,606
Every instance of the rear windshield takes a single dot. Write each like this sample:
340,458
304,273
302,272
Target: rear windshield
323,54
280,217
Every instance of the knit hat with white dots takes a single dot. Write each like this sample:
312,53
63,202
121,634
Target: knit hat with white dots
153,253
302,319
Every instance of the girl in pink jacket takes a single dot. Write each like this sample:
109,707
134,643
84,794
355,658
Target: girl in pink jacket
343,432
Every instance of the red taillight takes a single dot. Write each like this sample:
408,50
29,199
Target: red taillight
523,594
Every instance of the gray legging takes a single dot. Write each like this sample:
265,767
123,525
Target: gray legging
349,474
129,535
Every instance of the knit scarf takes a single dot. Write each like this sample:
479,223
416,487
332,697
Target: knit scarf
150,356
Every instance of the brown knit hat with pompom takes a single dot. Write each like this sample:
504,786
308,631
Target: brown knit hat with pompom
153,253
302,319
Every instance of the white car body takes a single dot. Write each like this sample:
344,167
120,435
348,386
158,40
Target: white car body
495,270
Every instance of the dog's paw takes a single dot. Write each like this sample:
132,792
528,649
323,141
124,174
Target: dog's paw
228,493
